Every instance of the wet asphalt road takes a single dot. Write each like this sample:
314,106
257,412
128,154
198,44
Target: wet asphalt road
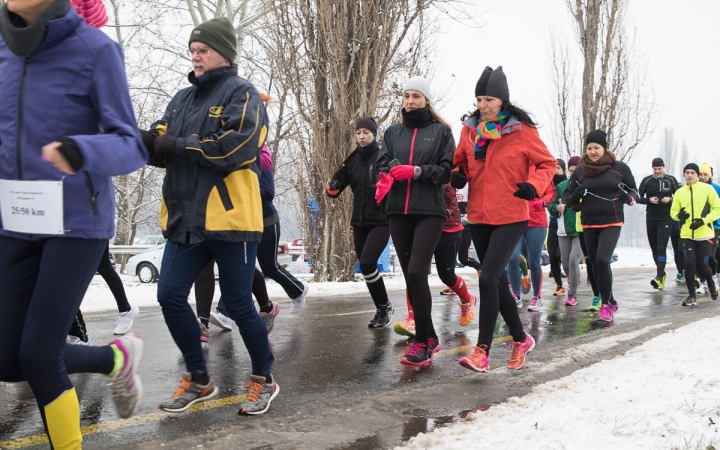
341,384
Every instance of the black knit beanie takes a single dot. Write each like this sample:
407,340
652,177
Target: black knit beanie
561,163
367,122
596,137
219,34
497,85
658,162
482,83
692,166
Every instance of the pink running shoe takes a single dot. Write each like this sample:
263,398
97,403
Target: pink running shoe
434,346
418,355
535,304
477,361
606,313
614,307
519,350
571,300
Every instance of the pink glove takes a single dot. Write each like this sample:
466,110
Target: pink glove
404,172
265,159
536,205
93,11
382,187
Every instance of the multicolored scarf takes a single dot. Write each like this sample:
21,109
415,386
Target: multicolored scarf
489,130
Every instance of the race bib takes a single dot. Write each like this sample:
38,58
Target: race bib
32,207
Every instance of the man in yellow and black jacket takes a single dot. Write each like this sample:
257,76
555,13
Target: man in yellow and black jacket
696,206
209,142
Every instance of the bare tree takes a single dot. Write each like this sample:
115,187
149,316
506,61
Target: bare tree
340,60
614,95
669,152
684,158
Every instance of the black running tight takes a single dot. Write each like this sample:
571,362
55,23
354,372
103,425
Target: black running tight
601,243
415,238
445,252
589,265
697,260
553,248
658,233
494,245
370,242
464,250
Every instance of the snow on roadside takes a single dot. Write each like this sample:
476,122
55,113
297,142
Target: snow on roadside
663,394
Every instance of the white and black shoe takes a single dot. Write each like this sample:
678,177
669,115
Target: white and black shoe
383,317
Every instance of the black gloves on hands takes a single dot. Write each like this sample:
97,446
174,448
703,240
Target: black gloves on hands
526,191
625,198
683,215
458,179
334,185
71,152
578,193
148,139
697,223
165,145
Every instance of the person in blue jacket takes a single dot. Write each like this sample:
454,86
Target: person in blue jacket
66,127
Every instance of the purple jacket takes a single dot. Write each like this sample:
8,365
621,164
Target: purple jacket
72,84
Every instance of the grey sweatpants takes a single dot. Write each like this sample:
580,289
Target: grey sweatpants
570,253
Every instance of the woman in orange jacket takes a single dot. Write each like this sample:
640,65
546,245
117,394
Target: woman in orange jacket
498,144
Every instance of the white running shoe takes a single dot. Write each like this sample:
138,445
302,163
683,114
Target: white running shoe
125,320
77,341
221,320
299,302
127,388
702,289
535,304
518,302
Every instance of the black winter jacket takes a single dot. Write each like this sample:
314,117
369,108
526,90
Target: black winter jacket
360,173
211,188
432,148
607,210
657,187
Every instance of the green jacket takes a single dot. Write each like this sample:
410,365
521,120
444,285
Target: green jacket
700,201
568,215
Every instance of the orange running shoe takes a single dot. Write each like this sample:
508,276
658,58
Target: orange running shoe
560,291
525,282
406,328
519,350
477,361
467,311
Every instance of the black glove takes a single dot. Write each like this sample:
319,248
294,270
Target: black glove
165,145
148,139
71,152
458,179
334,185
625,198
526,192
697,223
683,215
577,208
578,193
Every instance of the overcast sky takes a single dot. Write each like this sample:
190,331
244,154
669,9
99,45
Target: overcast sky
680,41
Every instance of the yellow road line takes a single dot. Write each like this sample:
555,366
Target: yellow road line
143,419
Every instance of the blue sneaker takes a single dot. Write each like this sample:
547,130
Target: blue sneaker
596,303
680,278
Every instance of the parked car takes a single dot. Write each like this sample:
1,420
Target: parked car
297,249
150,241
282,247
146,265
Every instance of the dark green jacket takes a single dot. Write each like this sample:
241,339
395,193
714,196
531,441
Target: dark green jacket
568,215
211,189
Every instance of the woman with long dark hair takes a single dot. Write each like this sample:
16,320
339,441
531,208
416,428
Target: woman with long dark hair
370,226
498,144
414,165
604,185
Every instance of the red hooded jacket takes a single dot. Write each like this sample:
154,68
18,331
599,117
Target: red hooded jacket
538,216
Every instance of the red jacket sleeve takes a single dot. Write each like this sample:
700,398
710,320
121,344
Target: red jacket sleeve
545,162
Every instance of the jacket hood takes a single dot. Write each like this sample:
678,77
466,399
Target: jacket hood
52,26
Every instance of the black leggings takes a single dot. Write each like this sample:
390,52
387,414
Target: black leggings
601,244
679,257
715,257
464,250
267,259
204,292
589,265
697,260
658,233
445,252
494,245
553,247
415,238
370,242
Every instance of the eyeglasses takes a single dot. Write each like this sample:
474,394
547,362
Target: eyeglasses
205,51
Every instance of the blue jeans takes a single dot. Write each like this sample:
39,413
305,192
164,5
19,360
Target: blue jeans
181,265
535,238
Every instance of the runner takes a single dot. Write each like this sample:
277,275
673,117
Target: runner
696,206
534,237
413,165
604,185
656,191
553,245
706,176
209,142
466,239
67,127
568,238
499,134
370,226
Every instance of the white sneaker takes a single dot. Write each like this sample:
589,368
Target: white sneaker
221,320
299,302
535,304
77,341
127,388
702,289
518,301
125,320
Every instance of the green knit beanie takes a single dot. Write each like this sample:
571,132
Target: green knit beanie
219,34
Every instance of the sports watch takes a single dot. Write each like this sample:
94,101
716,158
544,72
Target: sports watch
418,171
